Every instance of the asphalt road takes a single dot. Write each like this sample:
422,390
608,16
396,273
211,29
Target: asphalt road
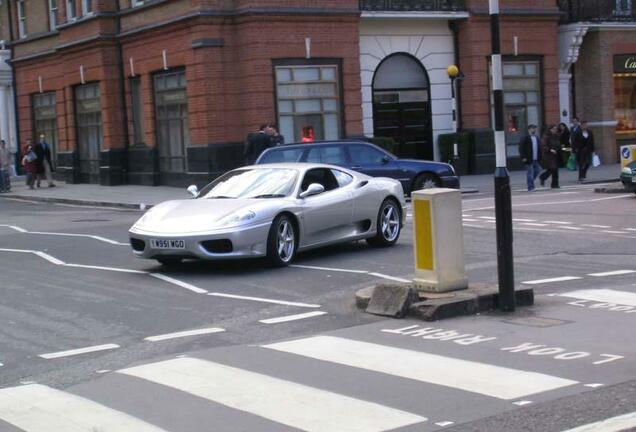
70,285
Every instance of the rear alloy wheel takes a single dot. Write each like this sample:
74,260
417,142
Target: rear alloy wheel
281,241
169,261
425,181
389,224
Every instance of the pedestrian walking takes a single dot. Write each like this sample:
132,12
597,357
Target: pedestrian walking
44,164
29,162
256,144
530,151
584,150
276,137
5,166
550,153
564,135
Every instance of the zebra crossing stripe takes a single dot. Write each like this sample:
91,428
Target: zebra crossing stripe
37,408
604,296
481,378
296,405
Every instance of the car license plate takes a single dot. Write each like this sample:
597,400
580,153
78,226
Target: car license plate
167,244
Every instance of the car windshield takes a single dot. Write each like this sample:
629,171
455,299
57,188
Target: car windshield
252,183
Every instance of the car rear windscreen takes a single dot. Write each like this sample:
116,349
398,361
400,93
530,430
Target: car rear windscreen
282,155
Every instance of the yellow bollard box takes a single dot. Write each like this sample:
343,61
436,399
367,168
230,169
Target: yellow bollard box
438,241
628,155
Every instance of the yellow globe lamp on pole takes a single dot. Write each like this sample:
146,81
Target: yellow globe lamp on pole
452,71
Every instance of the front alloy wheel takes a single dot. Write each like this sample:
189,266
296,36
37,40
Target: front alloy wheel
389,224
281,241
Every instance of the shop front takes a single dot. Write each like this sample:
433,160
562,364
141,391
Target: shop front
625,98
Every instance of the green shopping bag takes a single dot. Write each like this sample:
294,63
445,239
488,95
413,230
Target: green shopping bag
571,165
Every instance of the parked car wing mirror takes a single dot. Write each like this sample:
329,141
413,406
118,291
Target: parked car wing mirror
193,190
313,189
386,159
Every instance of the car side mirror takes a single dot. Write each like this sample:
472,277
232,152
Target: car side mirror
313,189
386,159
193,190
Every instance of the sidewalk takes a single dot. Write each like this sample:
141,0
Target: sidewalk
141,197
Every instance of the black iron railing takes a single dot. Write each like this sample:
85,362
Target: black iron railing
597,10
413,5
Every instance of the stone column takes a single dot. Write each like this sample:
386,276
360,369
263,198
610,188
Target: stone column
565,103
5,106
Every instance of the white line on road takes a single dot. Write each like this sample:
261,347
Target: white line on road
603,296
522,402
487,217
612,273
558,222
475,377
595,226
470,220
594,385
78,351
296,405
387,277
571,228
329,269
112,269
263,300
185,333
94,237
179,283
614,424
36,408
630,229
49,258
17,228
292,317
533,224
556,202
444,423
556,279
614,232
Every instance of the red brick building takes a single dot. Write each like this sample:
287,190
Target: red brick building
165,91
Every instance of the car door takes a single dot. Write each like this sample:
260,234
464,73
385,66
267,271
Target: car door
327,217
327,154
372,161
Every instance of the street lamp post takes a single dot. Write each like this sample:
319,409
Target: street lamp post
453,74
503,205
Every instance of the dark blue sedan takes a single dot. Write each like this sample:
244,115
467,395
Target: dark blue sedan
369,159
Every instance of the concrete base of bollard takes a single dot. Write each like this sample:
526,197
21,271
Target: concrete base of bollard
425,285
436,306
391,300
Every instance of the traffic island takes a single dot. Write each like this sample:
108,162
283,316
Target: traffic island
401,300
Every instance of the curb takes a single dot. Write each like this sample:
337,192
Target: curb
437,306
127,206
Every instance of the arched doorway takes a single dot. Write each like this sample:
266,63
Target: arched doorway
402,105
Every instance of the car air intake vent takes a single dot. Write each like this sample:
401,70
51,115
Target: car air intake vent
218,246
361,184
138,245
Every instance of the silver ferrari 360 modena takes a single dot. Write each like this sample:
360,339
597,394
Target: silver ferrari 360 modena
272,211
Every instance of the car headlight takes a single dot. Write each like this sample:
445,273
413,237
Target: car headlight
237,218
627,170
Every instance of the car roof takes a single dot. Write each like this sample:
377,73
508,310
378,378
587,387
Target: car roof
315,143
302,166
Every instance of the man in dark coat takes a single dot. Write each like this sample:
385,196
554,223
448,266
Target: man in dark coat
530,152
584,150
43,163
550,147
256,144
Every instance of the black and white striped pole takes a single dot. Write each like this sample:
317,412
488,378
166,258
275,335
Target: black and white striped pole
453,74
503,204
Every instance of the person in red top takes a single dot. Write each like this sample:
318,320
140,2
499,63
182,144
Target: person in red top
308,134
30,165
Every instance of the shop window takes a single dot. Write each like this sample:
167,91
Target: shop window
308,102
522,100
625,96
137,110
89,130
21,19
52,14
171,105
45,119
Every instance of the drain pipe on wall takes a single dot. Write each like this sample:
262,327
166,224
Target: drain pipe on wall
122,78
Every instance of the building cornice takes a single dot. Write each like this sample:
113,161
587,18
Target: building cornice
519,12
432,15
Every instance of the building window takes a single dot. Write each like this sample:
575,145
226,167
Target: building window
308,102
89,130
137,110
135,3
21,19
171,104
45,119
87,7
71,11
52,14
522,100
625,96
623,7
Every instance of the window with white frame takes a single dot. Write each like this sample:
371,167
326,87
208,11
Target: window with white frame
21,19
71,11
308,102
623,7
87,7
135,3
52,14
